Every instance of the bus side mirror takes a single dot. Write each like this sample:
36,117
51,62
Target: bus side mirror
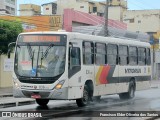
9,48
9,53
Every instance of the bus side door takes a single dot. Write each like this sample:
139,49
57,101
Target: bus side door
74,70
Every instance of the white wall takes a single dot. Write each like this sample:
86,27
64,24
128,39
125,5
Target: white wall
2,5
5,76
72,4
27,13
144,20
47,12
115,13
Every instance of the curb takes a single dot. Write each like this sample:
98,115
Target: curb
6,95
154,87
19,103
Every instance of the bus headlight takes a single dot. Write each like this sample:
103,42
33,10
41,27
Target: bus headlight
59,85
16,84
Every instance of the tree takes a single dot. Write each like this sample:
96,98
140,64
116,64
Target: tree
9,31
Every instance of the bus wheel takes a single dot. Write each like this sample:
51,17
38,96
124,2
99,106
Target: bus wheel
42,102
83,101
130,94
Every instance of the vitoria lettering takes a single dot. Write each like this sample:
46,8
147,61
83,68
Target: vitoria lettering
129,70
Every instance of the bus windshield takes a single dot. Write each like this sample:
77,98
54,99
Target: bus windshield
39,59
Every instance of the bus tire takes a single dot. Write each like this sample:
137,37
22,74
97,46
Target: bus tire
83,101
42,102
131,92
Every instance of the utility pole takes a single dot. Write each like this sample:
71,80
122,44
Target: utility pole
106,18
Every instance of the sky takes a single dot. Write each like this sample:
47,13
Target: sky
132,4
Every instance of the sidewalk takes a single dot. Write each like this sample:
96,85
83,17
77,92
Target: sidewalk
155,83
7,99
6,92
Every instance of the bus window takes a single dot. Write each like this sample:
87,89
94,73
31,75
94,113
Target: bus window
141,56
133,59
88,53
75,56
112,54
123,55
74,61
100,55
148,56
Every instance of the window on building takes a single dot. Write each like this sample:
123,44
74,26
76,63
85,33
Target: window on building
123,55
141,56
12,9
10,2
94,9
47,8
81,6
112,54
8,8
131,20
139,21
54,8
100,14
89,9
100,55
88,53
133,56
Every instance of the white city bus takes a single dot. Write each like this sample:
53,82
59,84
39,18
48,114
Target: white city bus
74,66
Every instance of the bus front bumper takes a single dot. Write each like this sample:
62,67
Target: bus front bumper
41,94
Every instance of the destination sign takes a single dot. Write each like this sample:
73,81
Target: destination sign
39,38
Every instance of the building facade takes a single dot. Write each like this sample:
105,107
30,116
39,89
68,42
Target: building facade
49,8
116,13
29,9
78,5
116,7
142,20
8,7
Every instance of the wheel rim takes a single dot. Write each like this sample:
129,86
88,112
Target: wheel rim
132,92
85,97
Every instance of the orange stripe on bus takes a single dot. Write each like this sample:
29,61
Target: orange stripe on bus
98,75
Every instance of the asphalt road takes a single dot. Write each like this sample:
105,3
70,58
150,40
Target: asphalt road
146,100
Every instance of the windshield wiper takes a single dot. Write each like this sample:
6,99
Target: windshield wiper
29,50
31,54
46,52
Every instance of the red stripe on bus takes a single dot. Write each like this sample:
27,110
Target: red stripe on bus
104,74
